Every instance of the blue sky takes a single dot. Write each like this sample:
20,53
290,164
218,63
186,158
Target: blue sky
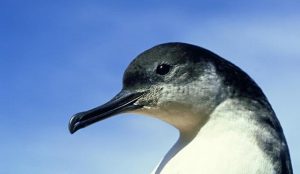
61,57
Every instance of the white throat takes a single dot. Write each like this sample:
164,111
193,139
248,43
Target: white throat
224,144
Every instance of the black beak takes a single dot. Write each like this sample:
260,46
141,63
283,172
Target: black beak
124,101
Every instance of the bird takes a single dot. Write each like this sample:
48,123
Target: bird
225,122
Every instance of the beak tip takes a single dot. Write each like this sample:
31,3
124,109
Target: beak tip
72,124
72,131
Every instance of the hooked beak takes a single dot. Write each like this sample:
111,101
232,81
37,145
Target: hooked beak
123,102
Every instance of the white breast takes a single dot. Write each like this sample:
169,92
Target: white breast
225,145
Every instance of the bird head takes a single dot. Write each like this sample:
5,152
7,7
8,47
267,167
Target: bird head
175,82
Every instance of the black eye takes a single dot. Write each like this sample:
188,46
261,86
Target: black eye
163,69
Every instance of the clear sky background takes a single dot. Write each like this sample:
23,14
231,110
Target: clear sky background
61,57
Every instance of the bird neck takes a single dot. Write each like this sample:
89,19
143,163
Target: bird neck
186,135
228,135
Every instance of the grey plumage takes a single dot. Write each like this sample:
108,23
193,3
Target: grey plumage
187,64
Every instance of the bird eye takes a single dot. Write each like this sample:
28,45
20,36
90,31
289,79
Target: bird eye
163,69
